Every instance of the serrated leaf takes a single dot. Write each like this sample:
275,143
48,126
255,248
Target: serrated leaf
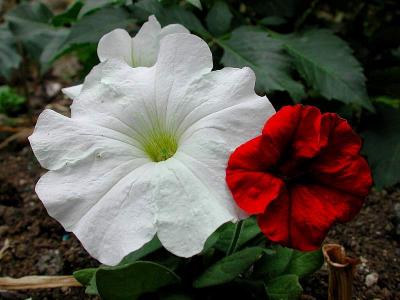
219,18
382,145
327,64
92,5
129,282
228,268
69,16
250,47
92,27
9,57
171,14
88,31
30,25
285,287
195,3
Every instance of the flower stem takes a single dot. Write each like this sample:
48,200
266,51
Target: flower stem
235,238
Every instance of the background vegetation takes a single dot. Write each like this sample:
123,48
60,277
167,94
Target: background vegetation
339,55
342,56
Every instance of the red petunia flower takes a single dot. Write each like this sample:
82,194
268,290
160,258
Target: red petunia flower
300,176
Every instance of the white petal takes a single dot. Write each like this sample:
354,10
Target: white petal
72,91
187,211
146,43
172,28
116,44
58,141
119,97
226,113
108,205
182,59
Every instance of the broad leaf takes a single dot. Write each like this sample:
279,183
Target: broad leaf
288,261
327,64
148,248
270,266
85,275
219,18
250,230
228,268
250,47
9,57
305,263
129,282
382,145
286,287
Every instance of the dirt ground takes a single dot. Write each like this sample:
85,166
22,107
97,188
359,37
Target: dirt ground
37,244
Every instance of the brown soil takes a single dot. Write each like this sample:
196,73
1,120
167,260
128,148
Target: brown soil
39,245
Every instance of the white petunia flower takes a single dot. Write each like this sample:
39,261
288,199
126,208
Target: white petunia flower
139,51
145,150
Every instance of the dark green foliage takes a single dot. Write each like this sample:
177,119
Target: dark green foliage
10,101
9,55
382,145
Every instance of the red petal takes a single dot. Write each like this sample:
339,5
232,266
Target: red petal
251,187
301,217
339,165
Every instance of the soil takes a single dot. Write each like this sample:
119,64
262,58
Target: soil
38,245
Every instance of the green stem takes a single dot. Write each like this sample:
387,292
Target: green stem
235,238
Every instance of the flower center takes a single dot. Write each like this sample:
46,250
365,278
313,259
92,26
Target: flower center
160,145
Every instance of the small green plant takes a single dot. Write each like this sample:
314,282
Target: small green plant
10,101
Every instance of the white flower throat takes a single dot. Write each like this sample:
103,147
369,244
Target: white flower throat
160,145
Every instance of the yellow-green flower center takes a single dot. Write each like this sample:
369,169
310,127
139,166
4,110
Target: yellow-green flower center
160,145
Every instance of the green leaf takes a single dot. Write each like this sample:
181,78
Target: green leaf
305,263
9,57
10,101
288,261
92,27
250,230
255,49
30,24
171,15
286,287
148,248
85,275
228,268
195,3
129,282
92,5
326,62
69,16
382,145
219,18
270,266
273,21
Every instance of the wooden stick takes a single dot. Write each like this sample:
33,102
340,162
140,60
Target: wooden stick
341,272
37,282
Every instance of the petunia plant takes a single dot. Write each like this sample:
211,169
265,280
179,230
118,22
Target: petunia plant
168,176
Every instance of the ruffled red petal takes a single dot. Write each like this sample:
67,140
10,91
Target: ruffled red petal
302,216
303,174
252,188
